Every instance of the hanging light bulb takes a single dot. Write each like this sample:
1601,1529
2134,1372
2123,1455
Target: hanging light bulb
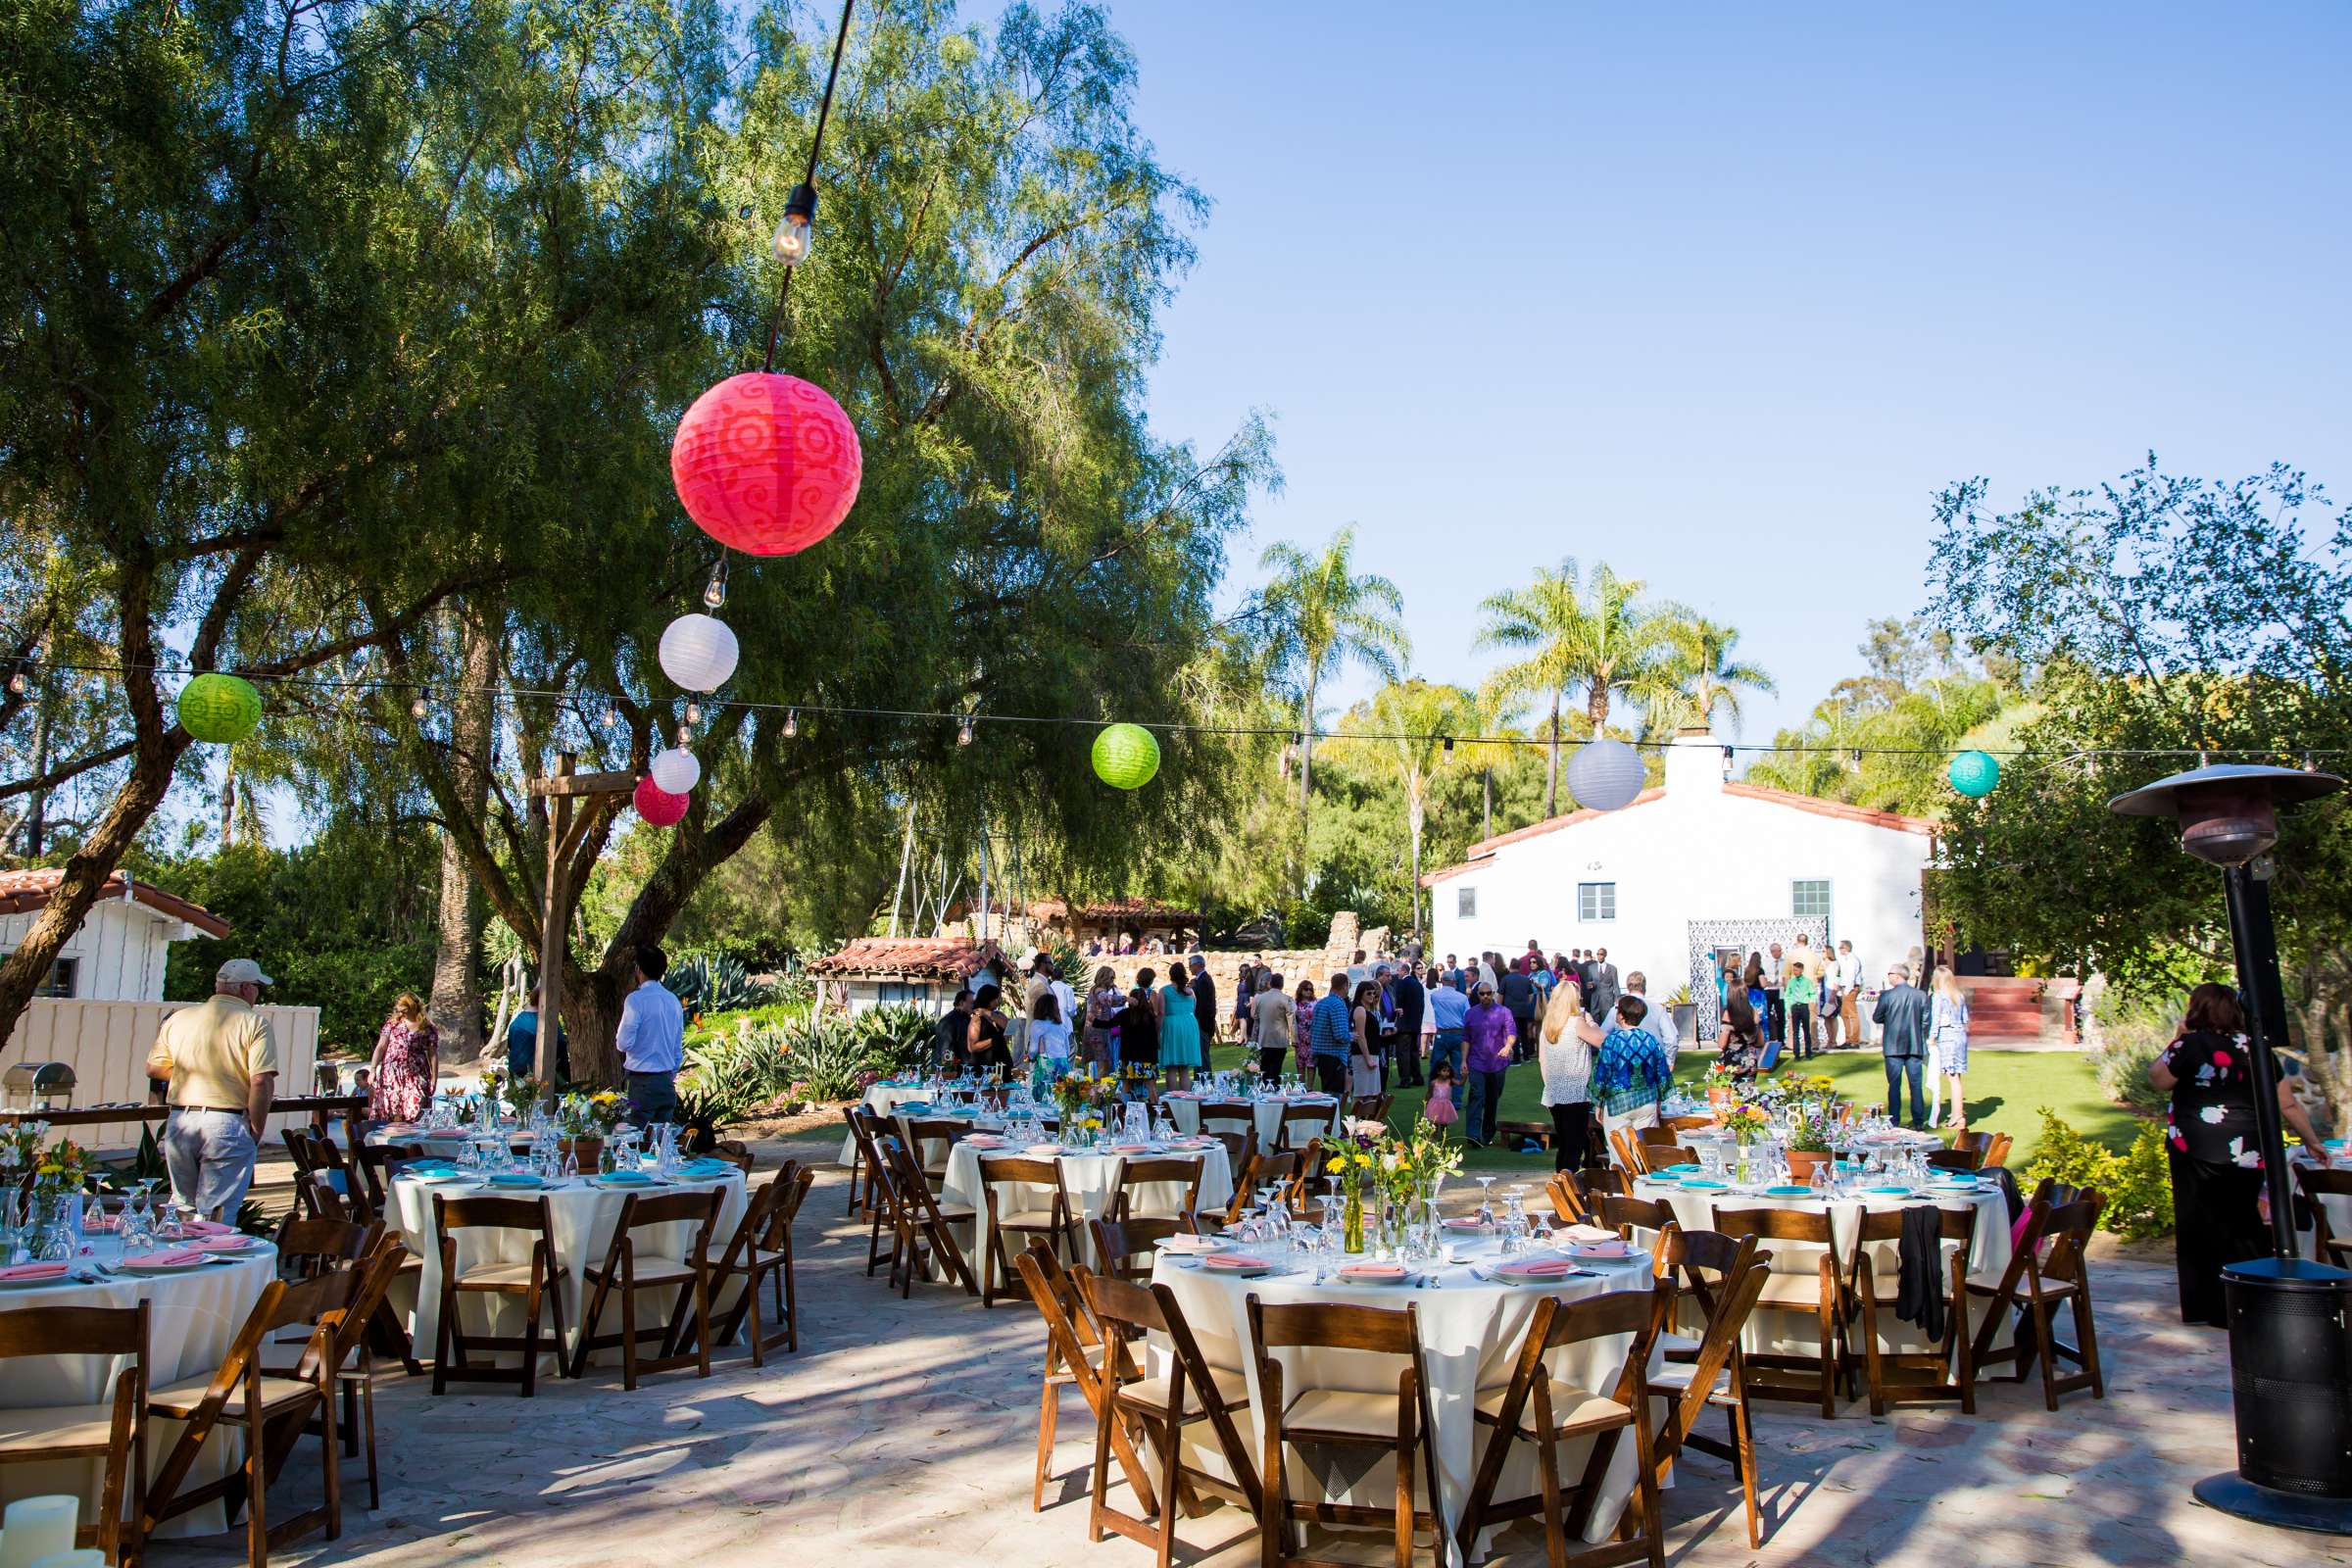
421,704
694,712
1450,743
714,592
964,731
612,719
796,236
17,682
792,722
1726,762
685,736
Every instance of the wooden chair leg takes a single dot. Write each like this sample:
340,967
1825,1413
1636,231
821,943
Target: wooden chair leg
2086,1335
1744,1443
2049,1355
1049,1418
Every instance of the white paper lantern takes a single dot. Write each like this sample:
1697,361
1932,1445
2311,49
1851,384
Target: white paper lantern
1605,775
698,652
675,771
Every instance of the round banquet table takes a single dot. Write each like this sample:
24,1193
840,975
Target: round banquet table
584,1212
1471,1331
1775,1331
192,1319
1184,1109
1090,1177
442,1141
884,1100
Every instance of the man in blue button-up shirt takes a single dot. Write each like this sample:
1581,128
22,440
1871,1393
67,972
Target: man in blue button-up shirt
1448,1011
1330,1036
652,1041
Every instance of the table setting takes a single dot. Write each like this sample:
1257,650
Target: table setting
1473,1284
1090,1159
1266,1105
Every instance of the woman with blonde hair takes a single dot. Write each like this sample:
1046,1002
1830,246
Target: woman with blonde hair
1947,1045
1565,1055
402,1070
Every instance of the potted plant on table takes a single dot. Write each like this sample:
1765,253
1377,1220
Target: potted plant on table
1746,1123
584,1121
1721,1084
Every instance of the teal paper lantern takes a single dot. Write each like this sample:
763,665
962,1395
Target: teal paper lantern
1974,774
221,709
1126,756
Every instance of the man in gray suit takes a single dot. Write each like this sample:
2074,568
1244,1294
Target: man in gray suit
1902,1019
1601,999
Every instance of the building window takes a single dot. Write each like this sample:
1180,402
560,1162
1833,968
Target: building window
1809,899
1465,903
61,980
1597,900
918,993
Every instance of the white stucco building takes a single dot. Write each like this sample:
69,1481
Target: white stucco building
118,952
1698,867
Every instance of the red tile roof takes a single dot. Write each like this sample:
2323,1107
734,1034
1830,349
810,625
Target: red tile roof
24,891
933,958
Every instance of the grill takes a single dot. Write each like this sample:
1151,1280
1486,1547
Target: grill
37,1085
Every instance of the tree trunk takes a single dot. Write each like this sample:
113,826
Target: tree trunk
1551,763
1306,784
1486,812
456,1005
1413,818
37,810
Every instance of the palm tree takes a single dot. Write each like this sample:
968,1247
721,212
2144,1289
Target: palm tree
1605,642
1319,614
1410,727
1711,678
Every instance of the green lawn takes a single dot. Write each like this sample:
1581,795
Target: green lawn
2005,1091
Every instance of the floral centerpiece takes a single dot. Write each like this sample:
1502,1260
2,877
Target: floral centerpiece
1078,1096
1721,1084
1412,1165
519,1094
1815,1111
20,1144
1353,1168
583,1122
1746,1123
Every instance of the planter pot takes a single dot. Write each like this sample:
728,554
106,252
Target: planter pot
1802,1163
1719,1100
1685,1018
584,1152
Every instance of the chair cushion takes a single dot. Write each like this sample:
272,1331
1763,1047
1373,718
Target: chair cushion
1152,1394
1368,1415
650,1271
1675,1376
1799,1292
1989,1284
179,1399
514,1276
1571,1407
1039,1220
1677,1346
34,1428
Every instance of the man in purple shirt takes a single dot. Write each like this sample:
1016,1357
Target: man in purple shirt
1489,1031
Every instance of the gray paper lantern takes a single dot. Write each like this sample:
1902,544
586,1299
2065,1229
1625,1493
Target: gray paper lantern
1605,775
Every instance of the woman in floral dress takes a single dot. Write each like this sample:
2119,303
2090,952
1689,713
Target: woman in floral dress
402,1071
2216,1157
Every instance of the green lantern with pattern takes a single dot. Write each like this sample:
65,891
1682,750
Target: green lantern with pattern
1126,756
221,709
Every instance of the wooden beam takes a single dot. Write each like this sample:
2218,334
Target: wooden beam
584,784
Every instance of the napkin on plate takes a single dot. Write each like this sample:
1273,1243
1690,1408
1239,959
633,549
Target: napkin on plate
171,1259
208,1227
1043,1148
1587,1233
221,1244
1234,1261
1536,1265
33,1271
1371,1271
1614,1247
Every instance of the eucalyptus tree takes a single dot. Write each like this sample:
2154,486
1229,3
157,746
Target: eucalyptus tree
1601,639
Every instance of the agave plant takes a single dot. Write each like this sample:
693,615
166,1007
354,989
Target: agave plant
708,982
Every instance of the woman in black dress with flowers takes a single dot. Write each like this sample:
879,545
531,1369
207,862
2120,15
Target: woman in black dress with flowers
2215,1156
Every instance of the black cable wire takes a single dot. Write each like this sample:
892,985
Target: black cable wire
824,111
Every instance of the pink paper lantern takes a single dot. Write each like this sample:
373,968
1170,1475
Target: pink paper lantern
766,464
658,805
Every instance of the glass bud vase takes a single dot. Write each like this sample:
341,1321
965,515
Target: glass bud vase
1353,1222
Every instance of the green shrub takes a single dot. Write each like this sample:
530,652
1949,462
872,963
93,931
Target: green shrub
2137,1183
708,982
2129,1040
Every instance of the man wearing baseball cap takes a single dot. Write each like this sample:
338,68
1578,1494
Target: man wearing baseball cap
222,1060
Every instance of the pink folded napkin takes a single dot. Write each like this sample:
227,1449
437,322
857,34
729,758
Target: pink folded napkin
221,1244
174,1259
1538,1265
99,1223
1043,1148
985,1141
1467,1225
1191,1244
33,1271
1372,1271
208,1227
1234,1261
1131,1148
1589,1233
1612,1248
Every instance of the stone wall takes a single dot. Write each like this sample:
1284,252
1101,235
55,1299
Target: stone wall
1294,965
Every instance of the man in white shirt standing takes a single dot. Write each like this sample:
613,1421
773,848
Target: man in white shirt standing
652,1041
1657,1022
1851,980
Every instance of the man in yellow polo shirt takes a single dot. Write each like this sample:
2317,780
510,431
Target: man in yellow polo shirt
222,1063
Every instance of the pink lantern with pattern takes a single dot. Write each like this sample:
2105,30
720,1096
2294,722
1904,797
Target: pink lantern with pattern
658,805
766,464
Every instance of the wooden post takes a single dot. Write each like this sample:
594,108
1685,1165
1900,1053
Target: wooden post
566,828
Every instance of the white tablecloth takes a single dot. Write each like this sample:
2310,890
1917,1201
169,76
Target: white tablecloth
1090,1179
192,1318
1783,1332
584,1215
1185,1112
884,1100
1470,1337
444,1141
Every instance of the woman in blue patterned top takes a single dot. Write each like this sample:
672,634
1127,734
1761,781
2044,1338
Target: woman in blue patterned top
1629,1071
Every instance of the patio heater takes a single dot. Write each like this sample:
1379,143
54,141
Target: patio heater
2290,1320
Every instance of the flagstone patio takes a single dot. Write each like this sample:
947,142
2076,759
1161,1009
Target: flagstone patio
904,1431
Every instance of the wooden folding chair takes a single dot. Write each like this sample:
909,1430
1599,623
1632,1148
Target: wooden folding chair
1715,1374
1535,1407
860,1163
1630,1157
1300,1126
631,1264
1655,1138
2059,1273
759,1254
317,1196
1969,1159
350,1366
930,1140
1372,1107
1906,1377
1124,1249
1782,1375
377,1163
1699,1262
1637,1221
2318,1187
535,1282
1074,1358
1229,1115
924,1237
314,1151
1265,1170
1025,1196
1997,1153
1397,1425
1158,1407
267,1410
1568,1199
112,1430
1131,1196
1679,1125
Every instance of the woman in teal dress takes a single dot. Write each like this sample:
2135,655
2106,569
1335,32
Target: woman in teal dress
1179,1031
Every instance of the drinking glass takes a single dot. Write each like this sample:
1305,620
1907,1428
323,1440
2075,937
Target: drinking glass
1486,1204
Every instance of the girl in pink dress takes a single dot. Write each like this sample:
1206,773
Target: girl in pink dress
402,1071
1438,1110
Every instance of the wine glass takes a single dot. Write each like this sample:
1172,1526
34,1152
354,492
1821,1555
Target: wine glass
1486,1203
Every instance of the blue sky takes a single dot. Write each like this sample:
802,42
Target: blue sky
1723,294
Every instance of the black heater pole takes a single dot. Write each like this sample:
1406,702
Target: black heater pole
2256,943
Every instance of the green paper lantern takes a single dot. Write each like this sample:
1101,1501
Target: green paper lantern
1974,774
219,708
1126,756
